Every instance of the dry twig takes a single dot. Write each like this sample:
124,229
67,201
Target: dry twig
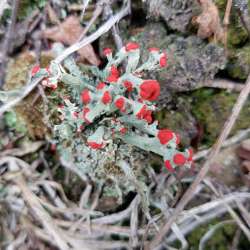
7,42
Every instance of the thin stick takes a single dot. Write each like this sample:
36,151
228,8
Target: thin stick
226,20
205,168
85,5
103,29
224,84
97,12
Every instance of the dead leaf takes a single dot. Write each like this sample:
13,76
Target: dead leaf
68,33
209,21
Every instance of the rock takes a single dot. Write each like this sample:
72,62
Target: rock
177,14
191,63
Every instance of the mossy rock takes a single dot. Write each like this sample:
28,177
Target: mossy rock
238,66
212,108
29,112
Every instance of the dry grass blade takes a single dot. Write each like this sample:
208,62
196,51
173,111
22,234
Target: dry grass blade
41,214
205,168
7,41
134,224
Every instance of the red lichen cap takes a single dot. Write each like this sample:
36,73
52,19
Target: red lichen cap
169,166
179,159
165,135
75,114
128,85
123,130
120,104
153,49
53,147
85,95
142,112
145,114
114,74
148,116
95,145
106,98
35,69
100,85
163,60
132,46
150,90
107,51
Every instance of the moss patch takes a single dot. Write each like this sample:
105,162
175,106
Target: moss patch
211,109
29,111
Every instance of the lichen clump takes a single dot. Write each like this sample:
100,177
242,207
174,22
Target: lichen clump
110,106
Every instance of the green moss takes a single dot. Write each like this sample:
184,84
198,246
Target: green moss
220,239
211,109
28,111
14,122
237,35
